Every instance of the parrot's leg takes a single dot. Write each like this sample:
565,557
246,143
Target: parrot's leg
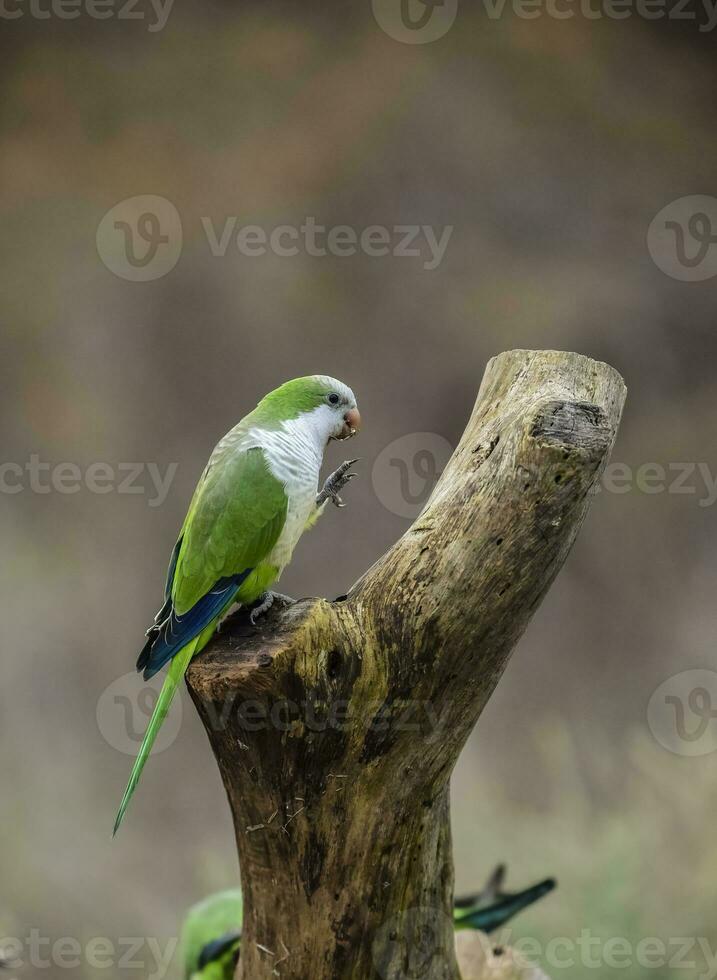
266,601
334,482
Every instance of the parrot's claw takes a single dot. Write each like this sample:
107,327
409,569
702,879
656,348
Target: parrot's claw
334,482
266,601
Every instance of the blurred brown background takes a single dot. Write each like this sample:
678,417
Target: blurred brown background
549,145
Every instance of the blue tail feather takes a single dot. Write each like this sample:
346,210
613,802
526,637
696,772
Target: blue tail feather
168,637
491,917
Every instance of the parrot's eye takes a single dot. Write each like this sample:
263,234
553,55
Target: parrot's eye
333,398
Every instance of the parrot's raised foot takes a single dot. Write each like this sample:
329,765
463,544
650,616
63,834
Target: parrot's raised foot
335,482
264,603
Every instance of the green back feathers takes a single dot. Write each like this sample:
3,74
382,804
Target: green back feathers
235,519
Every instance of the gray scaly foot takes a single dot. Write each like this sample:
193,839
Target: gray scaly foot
266,601
334,482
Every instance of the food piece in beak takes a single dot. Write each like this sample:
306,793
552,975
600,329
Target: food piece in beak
353,422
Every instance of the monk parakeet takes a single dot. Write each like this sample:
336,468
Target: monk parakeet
211,933
257,494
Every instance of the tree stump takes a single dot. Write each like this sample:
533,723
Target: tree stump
336,725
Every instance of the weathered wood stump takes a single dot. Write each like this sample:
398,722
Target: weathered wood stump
336,726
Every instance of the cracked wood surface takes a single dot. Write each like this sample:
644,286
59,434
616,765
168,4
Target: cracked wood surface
336,726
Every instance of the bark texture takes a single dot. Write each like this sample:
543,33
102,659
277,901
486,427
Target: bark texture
336,725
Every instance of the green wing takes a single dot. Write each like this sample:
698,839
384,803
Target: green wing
235,519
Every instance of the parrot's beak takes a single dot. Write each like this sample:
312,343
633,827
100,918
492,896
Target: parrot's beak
352,423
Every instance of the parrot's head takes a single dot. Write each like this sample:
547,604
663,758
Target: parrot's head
327,405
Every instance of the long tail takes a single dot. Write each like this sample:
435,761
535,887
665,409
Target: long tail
172,681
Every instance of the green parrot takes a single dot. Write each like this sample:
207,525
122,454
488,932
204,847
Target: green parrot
211,933
257,494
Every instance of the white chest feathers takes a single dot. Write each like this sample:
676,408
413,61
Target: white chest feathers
294,453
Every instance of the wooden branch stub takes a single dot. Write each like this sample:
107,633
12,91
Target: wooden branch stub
336,725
